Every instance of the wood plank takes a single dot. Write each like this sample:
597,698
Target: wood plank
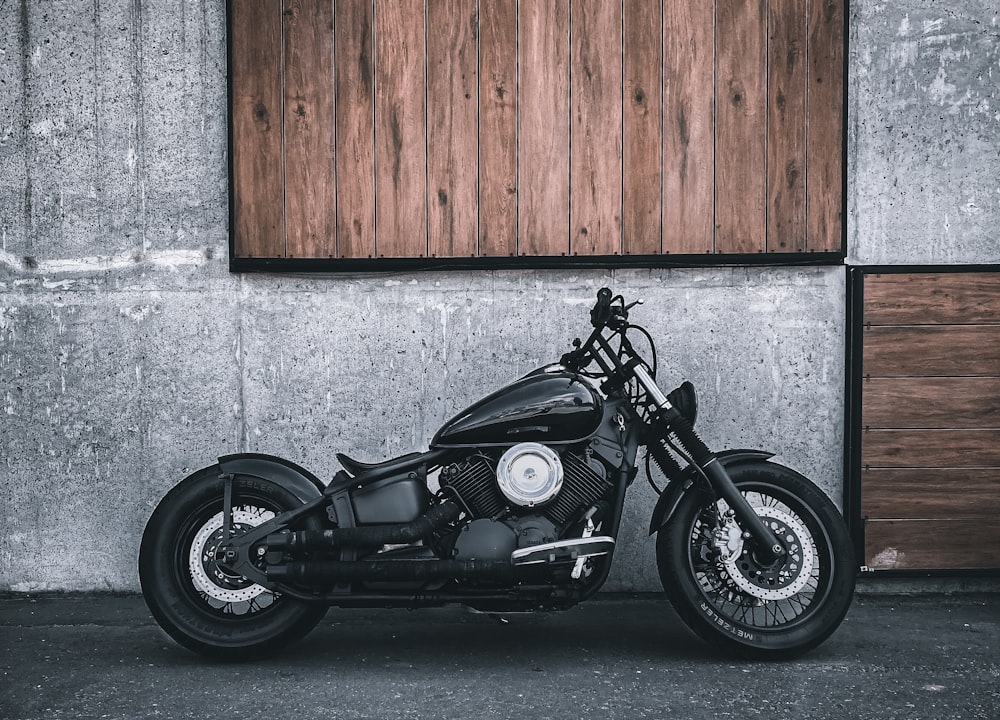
258,173
930,448
596,131
932,544
932,298
498,128
400,130
944,350
824,181
931,403
925,493
786,127
689,118
310,184
642,189
741,117
452,128
355,104
543,198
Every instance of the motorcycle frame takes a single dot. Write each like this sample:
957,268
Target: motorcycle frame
706,471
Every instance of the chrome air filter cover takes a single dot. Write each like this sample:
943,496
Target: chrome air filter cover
530,474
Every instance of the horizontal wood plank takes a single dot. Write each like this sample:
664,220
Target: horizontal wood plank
930,493
931,403
932,298
946,350
930,448
932,544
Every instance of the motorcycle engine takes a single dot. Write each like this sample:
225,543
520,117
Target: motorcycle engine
526,497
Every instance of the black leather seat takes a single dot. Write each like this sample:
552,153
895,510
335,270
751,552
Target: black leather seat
356,467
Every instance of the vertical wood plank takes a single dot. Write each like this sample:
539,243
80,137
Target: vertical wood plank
310,185
688,127
596,129
452,128
400,130
741,104
825,126
256,109
786,127
355,105
642,47
498,128
543,171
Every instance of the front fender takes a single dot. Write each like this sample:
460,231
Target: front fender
670,498
297,480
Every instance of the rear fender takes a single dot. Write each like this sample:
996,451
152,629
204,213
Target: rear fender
297,480
677,487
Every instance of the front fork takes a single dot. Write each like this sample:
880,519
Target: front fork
767,547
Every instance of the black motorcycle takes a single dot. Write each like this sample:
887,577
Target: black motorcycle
515,507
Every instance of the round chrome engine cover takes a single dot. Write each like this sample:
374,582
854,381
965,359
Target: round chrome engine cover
530,474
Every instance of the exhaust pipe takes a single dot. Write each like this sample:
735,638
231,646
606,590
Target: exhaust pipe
319,572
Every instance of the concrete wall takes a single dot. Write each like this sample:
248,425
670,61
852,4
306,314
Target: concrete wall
924,132
129,356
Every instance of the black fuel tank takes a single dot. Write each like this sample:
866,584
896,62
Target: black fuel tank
542,407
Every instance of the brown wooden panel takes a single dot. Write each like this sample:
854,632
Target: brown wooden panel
400,130
310,184
452,128
543,196
930,448
689,127
932,544
946,350
258,173
940,493
932,298
596,132
931,403
825,124
642,130
498,128
741,117
786,127
355,103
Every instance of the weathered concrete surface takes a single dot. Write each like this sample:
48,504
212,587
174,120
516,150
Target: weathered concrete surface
931,657
114,390
924,132
130,356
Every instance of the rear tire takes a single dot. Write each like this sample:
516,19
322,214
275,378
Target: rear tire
747,608
199,605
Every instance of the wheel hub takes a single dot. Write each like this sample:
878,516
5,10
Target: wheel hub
786,576
207,574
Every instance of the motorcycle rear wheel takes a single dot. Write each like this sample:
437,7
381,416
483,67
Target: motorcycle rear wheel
201,606
745,607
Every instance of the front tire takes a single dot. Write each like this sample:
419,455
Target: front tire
745,607
194,600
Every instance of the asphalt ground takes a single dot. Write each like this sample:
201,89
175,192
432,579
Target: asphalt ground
921,656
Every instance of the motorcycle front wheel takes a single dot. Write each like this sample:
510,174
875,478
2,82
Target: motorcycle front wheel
196,601
750,608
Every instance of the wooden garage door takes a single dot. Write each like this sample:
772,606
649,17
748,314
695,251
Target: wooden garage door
930,445
378,130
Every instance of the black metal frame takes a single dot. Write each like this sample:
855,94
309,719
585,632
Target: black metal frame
853,397
529,262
